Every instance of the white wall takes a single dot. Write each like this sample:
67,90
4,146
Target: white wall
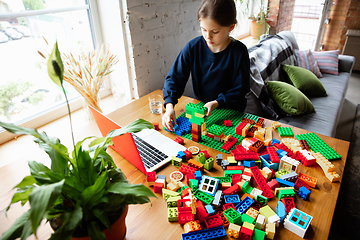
159,29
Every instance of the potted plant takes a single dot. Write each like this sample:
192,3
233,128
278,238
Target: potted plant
81,192
257,10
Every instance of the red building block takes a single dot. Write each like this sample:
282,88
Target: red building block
231,190
247,120
228,205
158,187
201,212
213,221
252,131
184,169
239,128
223,218
235,178
273,184
206,154
299,184
227,123
257,147
289,203
229,144
311,181
179,140
150,176
246,156
260,122
188,154
245,233
156,126
261,182
273,155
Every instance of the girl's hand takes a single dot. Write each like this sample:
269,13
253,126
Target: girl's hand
211,106
169,118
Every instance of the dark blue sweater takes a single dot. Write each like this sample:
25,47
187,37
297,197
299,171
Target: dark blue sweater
222,76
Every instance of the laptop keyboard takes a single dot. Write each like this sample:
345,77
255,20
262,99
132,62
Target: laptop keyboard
149,154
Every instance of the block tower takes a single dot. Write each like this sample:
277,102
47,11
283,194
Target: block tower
197,116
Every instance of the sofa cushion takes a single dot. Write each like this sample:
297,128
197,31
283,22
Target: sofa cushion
305,81
328,109
328,61
289,99
305,59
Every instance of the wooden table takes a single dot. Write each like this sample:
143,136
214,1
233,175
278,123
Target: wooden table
149,221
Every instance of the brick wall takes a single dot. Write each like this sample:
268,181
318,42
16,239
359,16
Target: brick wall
159,29
344,15
280,15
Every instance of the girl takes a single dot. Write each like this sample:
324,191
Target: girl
219,65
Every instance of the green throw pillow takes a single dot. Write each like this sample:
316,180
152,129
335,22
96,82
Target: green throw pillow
305,81
290,99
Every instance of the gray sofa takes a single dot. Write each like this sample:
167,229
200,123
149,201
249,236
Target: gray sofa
328,109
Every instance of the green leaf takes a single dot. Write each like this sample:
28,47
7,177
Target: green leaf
137,190
17,228
58,154
43,174
19,130
91,195
85,168
41,199
55,66
70,220
27,181
22,194
94,231
102,216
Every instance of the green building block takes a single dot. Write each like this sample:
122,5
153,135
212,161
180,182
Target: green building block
246,188
216,129
201,158
181,189
286,132
166,193
285,193
281,172
204,197
177,162
247,218
193,184
173,214
223,179
316,144
233,216
258,234
209,163
229,173
172,201
262,199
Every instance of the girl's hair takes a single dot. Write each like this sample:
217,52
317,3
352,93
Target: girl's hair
221,11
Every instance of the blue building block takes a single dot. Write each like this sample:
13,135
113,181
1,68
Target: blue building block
232,199
274,140
244,205
284,183
210,233
210,210
281,210
304,193
249,163
265,159
281,153
181,155
197,175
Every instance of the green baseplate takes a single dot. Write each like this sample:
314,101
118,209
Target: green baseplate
217,117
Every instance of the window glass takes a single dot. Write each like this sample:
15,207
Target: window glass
29,26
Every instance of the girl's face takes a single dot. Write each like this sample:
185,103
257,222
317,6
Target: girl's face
216,36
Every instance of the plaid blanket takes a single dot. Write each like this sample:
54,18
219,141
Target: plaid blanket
265,63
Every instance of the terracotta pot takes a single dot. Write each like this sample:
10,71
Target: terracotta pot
118,229
257,29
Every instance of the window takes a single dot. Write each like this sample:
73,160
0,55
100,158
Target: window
27,95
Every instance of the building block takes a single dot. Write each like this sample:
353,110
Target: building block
166,194
210,233
258,234
327,167
209,185
284,192
292,143
244,205
260,134
260,122
195,164
290,177
223,218
304,193
193,184
281,172
233,216
228,205
175,161
231,190
209,209
246,231
267,212
219,158
172,214
311,181
227,123
281,210
318,145
261,182
192,226
272,154
204,197
185,216
158,187
234,199
270,230
213,221
297,222
181,155
252,131
306,158
265,160
150,176
289,203
284,183
298,184
218,198
260,222
234,230
230,143
285,132
252,212
201,212
184,169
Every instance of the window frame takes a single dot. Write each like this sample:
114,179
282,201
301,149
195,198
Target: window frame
60,110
